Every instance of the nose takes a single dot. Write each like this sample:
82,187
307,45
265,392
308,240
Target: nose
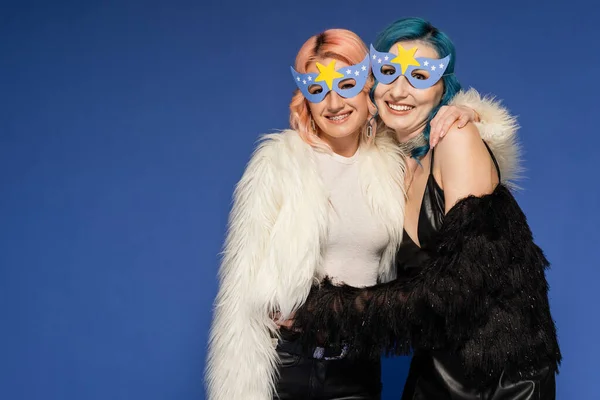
400,88
334,102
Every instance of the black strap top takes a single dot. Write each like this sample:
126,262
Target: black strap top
431,216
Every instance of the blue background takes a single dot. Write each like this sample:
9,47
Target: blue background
124,127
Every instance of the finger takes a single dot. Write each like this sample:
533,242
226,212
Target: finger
447,124
434,133
288,323
463,120
433,140
439,116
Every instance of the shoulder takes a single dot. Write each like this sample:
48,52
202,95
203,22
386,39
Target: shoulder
278,161
280,148
286,140
498,127
460,145
463,165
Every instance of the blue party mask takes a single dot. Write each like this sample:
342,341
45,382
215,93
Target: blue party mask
346,81
421,72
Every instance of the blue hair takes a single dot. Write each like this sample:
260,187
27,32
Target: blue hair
419,29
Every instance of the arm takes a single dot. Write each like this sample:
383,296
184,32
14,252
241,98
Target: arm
241,356
485,254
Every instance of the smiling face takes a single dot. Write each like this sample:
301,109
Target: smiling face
338,117
401,106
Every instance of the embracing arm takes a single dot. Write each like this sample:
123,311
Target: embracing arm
485,251
483,245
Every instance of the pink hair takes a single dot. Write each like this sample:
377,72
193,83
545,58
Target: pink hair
340,44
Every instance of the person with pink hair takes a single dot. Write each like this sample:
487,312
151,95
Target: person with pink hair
324,198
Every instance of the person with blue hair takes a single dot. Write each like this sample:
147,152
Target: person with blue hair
471,297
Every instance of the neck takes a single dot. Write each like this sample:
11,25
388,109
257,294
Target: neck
345,146
414,167
413,141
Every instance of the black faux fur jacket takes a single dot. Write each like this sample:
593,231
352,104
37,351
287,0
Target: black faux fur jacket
482,295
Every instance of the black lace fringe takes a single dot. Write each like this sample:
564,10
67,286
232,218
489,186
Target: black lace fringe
483,294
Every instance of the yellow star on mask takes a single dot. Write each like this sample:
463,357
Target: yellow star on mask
328,74
406,58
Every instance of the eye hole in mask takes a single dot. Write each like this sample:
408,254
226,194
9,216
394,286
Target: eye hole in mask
346,81
347,84
421,72
315,89
387,70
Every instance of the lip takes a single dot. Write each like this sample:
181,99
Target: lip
338,121
399,112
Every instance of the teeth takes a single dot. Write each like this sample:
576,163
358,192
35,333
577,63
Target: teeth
399,108
338,117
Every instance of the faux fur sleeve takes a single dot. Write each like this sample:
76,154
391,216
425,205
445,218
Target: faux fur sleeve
484,256
241,356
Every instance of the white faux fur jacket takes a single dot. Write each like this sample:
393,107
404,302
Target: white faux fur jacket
277,235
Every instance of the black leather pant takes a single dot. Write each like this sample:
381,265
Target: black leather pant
304,377
439,376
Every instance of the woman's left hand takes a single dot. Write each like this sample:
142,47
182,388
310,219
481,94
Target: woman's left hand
446,117
288,323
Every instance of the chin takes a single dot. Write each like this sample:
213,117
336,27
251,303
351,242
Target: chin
341,135
343,132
